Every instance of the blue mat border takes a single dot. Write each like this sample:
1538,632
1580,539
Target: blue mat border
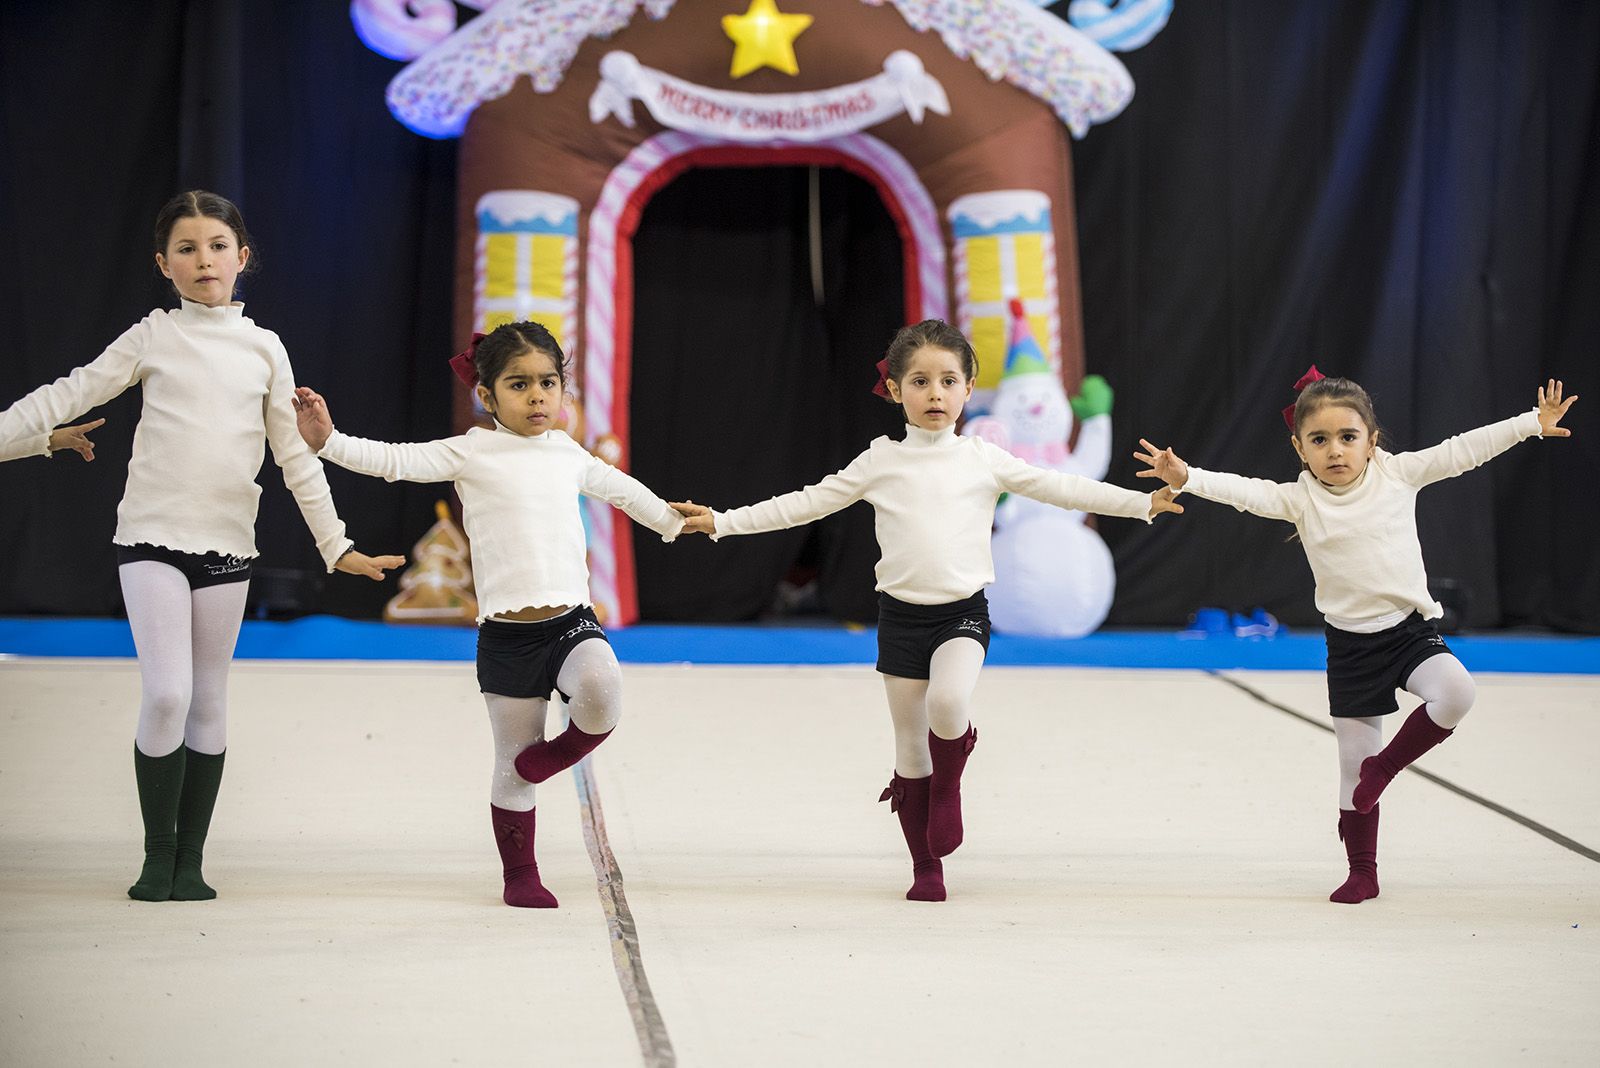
334,638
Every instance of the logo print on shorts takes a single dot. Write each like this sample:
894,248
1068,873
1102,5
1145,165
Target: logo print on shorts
583,625
228,566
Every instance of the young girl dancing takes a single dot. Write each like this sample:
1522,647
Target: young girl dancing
934,496
1354,507
217,390
519,485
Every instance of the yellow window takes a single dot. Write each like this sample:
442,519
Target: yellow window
500,265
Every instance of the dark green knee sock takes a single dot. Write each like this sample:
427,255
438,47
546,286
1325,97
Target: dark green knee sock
160,782
201,779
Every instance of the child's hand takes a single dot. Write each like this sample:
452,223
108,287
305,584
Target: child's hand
311,416
696,517
356,563
1164,464
75,438
1551,409
1164,500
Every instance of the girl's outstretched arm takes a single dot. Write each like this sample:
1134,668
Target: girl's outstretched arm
429,461
838,490
30,423
316,426
1258,496
1461,453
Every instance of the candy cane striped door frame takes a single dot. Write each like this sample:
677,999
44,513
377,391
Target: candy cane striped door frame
608,312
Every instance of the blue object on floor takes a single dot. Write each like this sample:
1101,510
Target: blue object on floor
1208,623
1258,624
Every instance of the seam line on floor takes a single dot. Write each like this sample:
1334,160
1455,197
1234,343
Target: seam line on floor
1493,806
626,957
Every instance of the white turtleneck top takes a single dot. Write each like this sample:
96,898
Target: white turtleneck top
1361,539
519,505
933,497
217,391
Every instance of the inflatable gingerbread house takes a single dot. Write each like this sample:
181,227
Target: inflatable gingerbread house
573,113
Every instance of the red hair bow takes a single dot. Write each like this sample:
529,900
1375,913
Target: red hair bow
461,362
882,388
1313,375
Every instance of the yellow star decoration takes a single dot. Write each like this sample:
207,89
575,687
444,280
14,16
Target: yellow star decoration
764,37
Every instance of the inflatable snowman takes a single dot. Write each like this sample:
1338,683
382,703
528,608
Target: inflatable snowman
1053,576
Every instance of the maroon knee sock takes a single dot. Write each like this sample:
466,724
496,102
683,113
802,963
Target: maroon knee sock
1360,833
944,790
1416,736
543,759
513,833
908,798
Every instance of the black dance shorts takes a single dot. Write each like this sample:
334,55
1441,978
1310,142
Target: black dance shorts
909,633
523,659
1364,670
200,569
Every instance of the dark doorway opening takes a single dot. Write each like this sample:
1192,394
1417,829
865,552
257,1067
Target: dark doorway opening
763,299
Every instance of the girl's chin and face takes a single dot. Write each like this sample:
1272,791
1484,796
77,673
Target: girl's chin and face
203,259
933,390
1336,444
526,398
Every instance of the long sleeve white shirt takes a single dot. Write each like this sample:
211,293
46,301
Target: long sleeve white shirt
933,497
217,391
1361,539
519,505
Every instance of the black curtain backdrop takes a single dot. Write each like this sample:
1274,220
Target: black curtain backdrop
1407,194
109,109
1402,193
746,385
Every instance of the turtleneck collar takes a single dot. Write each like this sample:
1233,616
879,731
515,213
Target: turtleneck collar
918,438
231,314
501,428
1340,491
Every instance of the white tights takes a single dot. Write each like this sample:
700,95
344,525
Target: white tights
939,703
1447,692
591,677
185,640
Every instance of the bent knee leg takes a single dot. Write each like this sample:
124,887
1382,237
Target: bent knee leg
592,679
1445,685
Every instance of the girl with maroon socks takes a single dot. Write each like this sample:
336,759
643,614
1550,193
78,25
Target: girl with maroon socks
519,485
934,496
1354,507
